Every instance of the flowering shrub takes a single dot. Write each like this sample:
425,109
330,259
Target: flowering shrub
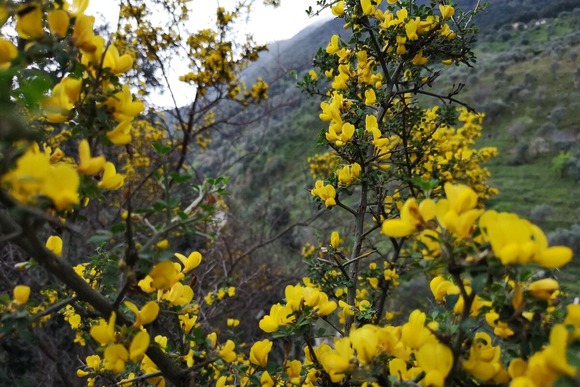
491,312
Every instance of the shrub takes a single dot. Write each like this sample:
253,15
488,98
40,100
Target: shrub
521,154
567,237
541,213
558,114
546,129
559,161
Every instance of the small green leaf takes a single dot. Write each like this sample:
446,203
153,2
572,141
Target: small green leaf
101,236
451,300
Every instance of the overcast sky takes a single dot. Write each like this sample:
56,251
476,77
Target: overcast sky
267,24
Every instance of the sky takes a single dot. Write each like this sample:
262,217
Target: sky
267,24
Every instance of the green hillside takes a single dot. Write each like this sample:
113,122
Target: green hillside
526,80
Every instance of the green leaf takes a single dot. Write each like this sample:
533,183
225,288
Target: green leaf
179,178
119,227
451,300
101,236
479,281
27,336
161,149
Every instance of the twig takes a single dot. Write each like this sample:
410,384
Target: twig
54,308
359,258
325,319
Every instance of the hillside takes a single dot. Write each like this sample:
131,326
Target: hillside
526,81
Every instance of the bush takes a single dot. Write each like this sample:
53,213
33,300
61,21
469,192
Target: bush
558,114
495,108
541,213
167,282
567,237
529,79
521,154
554,66
546,129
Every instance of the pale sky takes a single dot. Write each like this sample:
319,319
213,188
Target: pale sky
267,24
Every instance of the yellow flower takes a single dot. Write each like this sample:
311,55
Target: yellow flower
187,322
259,352
8,52
338,8
117,64
83,35
123,106
146,315
401,48
278,316
436,360
484,359
21,294
146,284
398,369
411,29
104,333
226,352
94,362
190,262
139,346
414,333
367,7
232,322
89,165
65,95
115,357
522,381
447,11
298,295
61,186
293,369
439,287
325,192
266,380
334,239
127,382
4,14
58,21
54,244
179,294
163,275
556,352
419,59
111,179
29,22
543,288
338,361
370,97
457,212
78,7
346,133
516,240
162,244
501,328
332,47
365,341
412,216
121,135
